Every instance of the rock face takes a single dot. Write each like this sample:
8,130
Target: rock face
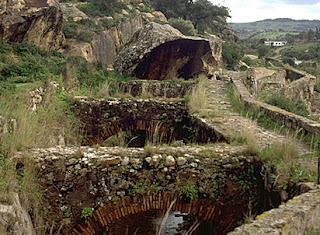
159,52
14,219
105,45
38,22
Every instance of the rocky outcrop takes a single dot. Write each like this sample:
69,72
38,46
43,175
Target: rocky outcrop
38,22
225,32
14,219
160,52
105,45
70,11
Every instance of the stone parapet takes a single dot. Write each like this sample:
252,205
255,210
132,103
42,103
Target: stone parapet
297,216
282,117
157,88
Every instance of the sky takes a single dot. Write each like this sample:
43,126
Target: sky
253,10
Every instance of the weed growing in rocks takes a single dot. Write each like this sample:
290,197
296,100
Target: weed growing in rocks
188,193
197,98
86,213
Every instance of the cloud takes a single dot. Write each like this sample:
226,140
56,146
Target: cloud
299,2
254,10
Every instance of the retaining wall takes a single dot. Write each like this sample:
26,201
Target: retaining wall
282,117
298,216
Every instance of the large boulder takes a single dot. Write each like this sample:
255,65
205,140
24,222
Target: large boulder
105,45
160,52
34,21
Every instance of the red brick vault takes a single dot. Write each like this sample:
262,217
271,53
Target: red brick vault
204,209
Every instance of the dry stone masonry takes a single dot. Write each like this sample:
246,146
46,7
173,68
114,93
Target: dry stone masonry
101,119
113,180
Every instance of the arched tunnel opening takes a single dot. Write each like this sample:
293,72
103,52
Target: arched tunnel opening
143,133
150,222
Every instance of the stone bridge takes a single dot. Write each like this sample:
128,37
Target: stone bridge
101,119
116,182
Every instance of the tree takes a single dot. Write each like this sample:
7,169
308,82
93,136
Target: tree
231,54
201,12
311,35
184,26
263,51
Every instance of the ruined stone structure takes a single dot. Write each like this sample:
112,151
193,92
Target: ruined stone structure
116,182
293,83
38,22
160,52
101,119
161,89
287,119
298,216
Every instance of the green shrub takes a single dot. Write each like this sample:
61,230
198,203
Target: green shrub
287,60
188,193
247,60
184,26
231,54
107,24
5,47
6,87
85,36
70,30
287,104
86,212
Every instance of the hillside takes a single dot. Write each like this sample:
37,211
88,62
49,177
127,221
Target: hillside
281,24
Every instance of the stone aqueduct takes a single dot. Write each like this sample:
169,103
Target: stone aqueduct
101,119
117,182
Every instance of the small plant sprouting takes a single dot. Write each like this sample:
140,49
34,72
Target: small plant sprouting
188,193
67,214
86,213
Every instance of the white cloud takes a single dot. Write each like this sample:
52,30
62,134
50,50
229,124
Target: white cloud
254,10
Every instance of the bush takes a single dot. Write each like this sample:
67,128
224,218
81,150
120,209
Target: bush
70,30
231,53
247,60
184,26
263,51
287,104
4,47
287,60
188,193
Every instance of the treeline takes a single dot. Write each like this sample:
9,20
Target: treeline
201,13
310,35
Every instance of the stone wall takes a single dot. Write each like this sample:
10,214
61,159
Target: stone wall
297,216
81,177
301,89
101,119
282,117
157,88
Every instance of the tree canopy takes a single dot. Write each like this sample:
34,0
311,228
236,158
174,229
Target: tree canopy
200,12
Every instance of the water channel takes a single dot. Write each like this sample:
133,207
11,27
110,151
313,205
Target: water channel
149,223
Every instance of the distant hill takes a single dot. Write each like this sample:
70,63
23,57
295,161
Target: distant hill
282,24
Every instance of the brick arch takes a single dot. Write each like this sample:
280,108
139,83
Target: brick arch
205,209
108,130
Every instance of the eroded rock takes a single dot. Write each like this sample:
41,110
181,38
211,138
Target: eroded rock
159,52
38,22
